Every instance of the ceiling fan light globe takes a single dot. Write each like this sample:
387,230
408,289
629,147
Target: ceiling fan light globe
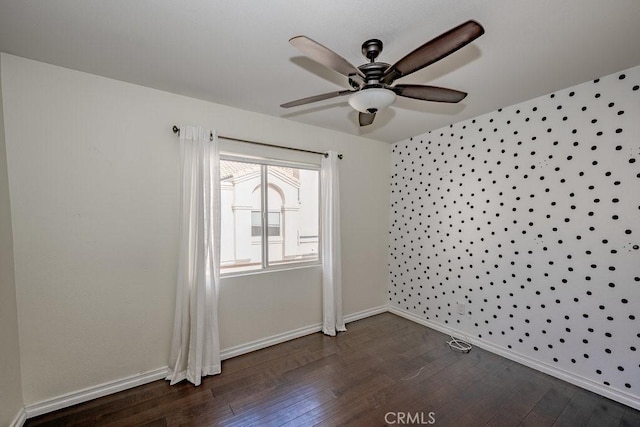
375,99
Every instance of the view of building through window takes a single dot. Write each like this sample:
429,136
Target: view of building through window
291,215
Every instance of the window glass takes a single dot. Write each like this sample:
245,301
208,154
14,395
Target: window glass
290,208
240,206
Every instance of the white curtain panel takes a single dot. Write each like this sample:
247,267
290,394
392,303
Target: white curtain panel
332,321
195,347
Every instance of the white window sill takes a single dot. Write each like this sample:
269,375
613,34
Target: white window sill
274,269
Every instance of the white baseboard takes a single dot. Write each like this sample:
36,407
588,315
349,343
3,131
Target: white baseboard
365,313
268,341
94,392
296,333
613,394
19,420
105,389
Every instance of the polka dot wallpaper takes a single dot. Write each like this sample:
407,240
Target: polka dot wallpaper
530,217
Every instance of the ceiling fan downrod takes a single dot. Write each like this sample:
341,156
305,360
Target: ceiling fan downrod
371,49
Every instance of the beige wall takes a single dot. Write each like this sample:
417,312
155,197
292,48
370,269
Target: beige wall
93,171
10,380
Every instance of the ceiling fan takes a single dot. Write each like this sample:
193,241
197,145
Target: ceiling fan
371,83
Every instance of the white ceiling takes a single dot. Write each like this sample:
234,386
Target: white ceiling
237,53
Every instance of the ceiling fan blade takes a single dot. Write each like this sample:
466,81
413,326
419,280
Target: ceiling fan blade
365,119
324,56
429,93
315,98
434,50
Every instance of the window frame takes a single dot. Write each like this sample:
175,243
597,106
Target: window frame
264,163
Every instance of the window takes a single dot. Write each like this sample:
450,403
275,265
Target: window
269,214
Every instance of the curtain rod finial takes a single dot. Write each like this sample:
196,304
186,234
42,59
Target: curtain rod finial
176,129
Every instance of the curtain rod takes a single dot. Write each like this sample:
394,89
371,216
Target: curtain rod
176,130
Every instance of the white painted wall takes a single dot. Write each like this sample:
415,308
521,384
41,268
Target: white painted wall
93,173
10,380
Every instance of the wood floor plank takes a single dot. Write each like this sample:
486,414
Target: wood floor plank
161,422
536,420
552,404
381,366
516,409
327,410
295,410
578,411
601,419
631,417
154,409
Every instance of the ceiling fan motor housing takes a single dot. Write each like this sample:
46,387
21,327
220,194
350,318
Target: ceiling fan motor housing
373,72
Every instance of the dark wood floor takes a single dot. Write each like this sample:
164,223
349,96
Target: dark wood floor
383,366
